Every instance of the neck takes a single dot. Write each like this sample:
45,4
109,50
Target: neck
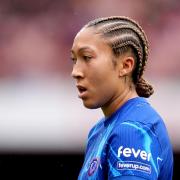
117,101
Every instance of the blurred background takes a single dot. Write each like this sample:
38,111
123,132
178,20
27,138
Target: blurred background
43,124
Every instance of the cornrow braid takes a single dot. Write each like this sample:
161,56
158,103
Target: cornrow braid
124,34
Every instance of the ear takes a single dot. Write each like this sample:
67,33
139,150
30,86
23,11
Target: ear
127,66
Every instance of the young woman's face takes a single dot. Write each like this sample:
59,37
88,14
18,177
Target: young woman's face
97,78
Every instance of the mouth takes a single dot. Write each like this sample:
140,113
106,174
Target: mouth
82,91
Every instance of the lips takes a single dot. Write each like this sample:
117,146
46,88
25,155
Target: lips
82,91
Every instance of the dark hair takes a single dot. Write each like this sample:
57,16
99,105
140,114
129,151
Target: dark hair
124,34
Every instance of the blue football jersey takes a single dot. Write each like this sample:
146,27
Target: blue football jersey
133,141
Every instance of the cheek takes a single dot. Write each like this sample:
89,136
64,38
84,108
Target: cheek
101,71
104,87
102,79
100,96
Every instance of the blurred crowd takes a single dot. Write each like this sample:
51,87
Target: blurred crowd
36,35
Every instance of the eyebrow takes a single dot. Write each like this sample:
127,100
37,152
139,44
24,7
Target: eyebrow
81,49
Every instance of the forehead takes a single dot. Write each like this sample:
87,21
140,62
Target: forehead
89,38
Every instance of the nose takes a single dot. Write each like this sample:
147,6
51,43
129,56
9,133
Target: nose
77,72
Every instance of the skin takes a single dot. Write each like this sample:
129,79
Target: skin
106,85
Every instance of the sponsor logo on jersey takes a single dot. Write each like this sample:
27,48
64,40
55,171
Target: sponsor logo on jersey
131,152
93,166
132,165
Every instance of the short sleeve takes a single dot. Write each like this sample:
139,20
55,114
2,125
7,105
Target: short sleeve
133,150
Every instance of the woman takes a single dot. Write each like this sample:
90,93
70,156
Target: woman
131,141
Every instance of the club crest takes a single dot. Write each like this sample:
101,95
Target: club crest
93,166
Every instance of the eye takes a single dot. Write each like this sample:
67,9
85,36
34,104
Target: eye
73,60
87,58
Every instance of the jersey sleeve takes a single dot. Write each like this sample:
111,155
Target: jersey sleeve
133,150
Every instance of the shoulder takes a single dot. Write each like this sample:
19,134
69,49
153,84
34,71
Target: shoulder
144,113
143,118
132,148
136,135
138,143
147,121
139,110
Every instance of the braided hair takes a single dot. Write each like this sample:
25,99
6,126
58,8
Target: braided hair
123,35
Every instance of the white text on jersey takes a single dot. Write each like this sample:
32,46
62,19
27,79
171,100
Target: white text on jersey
128,152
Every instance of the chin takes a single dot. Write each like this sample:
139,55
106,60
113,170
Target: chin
90,105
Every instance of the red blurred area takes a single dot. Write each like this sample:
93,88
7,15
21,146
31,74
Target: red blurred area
36,36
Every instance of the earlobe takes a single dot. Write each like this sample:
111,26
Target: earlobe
122,72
